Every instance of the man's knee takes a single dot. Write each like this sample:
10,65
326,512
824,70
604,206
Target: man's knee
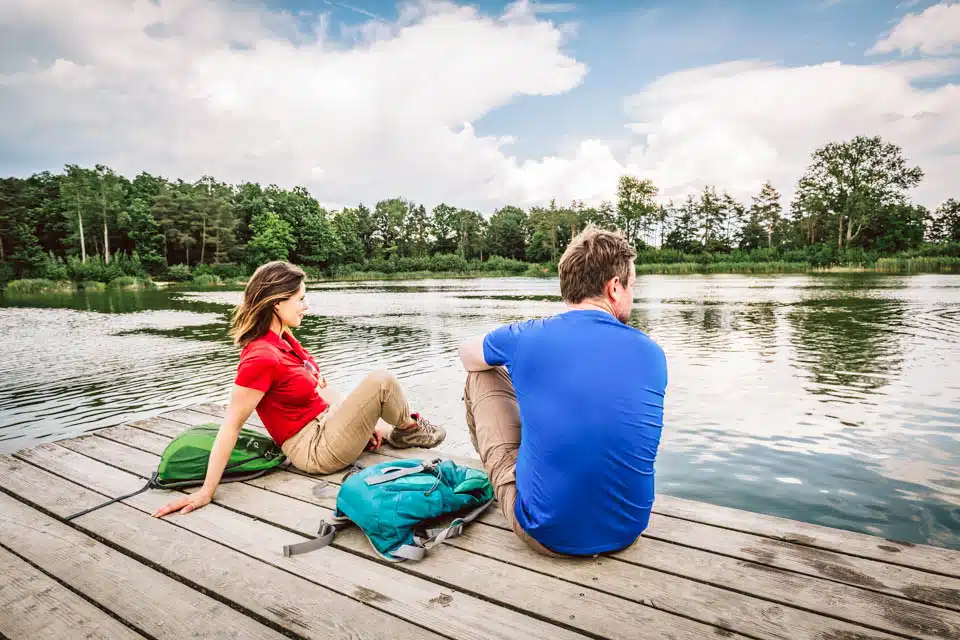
480,384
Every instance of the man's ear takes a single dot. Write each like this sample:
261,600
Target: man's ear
611,287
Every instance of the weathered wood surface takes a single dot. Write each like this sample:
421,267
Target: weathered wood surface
925,557
786,550
148,600
34,605
467,573
700,571
826,597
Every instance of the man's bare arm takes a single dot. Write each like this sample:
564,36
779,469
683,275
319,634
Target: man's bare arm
471,354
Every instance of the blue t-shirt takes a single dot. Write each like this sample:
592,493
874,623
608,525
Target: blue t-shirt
591,392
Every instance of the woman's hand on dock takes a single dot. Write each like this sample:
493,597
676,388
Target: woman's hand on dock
184,505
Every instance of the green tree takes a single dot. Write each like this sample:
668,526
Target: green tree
144,234
272,239
603,216
895,227
445,228
110,195
78,188
318,244
711,213
768,213
635,207
945,222
684,234
753,235
417,231
22,247
848,183
389,219
507,233
366,229
217,220
346,229
470,228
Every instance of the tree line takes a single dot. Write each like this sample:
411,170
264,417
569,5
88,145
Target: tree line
851,203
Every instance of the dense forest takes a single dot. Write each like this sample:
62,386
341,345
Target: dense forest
851,207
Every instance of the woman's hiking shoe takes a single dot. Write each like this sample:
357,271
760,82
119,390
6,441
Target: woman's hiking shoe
425,435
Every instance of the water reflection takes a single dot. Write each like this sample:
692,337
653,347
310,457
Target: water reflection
832,399
850,346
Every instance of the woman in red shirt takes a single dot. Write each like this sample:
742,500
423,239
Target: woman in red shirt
281,380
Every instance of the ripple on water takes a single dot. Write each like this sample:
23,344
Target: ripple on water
831,399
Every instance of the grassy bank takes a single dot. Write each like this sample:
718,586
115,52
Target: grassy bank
39,285
358,276
42,285
677,268
885,265
447,267
923,264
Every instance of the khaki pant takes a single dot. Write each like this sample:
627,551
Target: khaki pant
493,417
335,439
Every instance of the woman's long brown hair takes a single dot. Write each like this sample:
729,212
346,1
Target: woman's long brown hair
270,283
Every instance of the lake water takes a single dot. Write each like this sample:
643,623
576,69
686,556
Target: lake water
832,399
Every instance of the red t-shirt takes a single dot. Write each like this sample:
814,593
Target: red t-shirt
288,376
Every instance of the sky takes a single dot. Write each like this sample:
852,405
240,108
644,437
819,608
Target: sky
479,104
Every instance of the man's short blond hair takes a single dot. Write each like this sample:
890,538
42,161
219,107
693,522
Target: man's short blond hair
591,259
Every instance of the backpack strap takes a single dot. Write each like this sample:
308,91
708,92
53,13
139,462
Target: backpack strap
393,473
324,537
151,483
438,535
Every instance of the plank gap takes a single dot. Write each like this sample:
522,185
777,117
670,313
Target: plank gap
69,587
144,561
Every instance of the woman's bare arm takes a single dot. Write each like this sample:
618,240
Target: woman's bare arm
242,403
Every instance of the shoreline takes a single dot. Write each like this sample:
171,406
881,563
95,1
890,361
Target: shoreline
900,268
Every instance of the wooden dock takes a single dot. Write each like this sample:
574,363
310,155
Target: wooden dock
701,571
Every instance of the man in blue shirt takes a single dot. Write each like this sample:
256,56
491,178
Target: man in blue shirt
586,392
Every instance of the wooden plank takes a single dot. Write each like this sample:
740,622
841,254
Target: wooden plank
925,557
918,556
745,614
289,601
383,587
605,615
550,598
905,582
193,418
852,604
220,410
160,426
149,600
36,606
902,581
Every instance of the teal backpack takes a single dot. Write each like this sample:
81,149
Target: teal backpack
400,504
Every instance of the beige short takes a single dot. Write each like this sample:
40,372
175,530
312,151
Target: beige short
335,439
493,417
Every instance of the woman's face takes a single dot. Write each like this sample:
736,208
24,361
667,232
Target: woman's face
292,309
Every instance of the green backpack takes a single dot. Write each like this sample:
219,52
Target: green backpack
184,462
401,505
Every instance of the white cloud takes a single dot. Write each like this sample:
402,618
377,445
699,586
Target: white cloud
191,87
936,31
186,87
738,124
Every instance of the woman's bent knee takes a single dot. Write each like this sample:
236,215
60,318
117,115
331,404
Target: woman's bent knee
382,378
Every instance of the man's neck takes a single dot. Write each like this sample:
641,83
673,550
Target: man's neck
592,305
